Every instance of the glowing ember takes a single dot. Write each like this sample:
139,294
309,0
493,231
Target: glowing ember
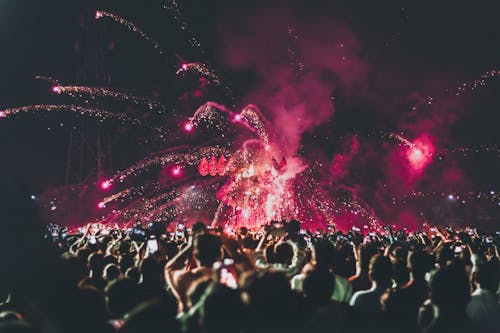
188,127
106,184
176,171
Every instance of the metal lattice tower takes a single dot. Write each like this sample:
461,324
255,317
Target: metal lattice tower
89,145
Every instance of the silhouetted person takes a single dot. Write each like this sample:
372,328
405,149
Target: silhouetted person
483,308
450,292
380,274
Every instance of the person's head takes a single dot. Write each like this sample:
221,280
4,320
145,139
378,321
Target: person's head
110,259
380,270
269,296
95,263
318,286
170,249
222,311
199,228
151,317
151,270
269,253
323,253
444,255
283,253
249,243
450,289
121,296
366,252
400,272
111,272
133,274
487,276
420,262
125,262
207,249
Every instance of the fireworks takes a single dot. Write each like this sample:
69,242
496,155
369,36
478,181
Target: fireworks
94,112
93,92
131,26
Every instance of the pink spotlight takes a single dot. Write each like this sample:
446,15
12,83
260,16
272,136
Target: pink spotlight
188,126
237,117
56,89
101,205
106,184
98,14
176,171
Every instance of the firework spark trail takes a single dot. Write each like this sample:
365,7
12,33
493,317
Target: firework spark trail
130,26
209,113
254,120
95,112
465,150
463,88
48,79
192,157
173,6
202,69
82,91
209,74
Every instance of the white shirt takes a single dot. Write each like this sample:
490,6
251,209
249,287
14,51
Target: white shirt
484,309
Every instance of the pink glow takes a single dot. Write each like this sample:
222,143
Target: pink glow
98,14
176,171
420,153
106,184
2,114
184,66
101,205
56,89
188,126
237,117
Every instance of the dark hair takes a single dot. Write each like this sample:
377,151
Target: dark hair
112,271
450,289
488,276
96,262
420,262
283,253
380,270
121,296
319,285
222,311
207,249
324,252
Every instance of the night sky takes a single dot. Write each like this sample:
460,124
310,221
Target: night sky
397,54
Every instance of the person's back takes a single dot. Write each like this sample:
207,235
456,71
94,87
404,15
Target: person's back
361,280
450,293
484,308
380,273
416,291
206,250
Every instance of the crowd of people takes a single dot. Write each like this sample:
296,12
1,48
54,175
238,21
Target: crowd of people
279,278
